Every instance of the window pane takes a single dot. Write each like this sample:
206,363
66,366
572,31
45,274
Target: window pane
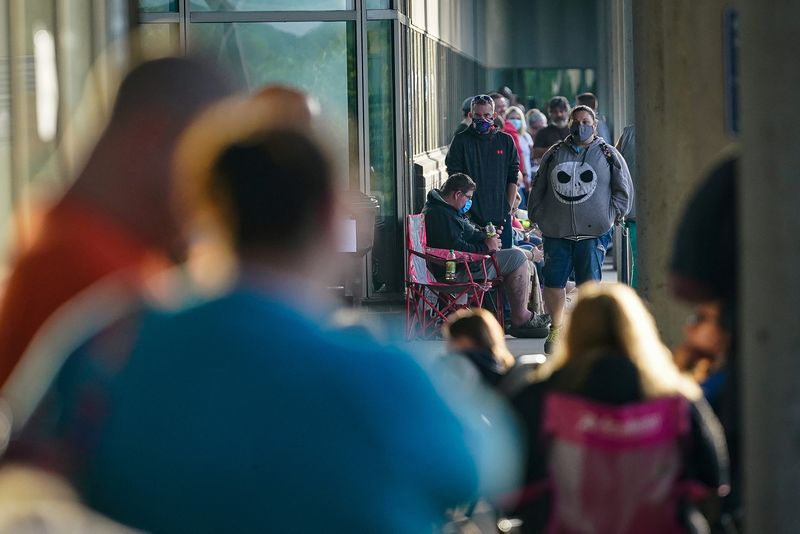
158,6
160,39
386,261
378,4
270,5
6,197
318,57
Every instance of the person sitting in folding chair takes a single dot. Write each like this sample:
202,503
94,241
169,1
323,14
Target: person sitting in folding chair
448,228
619,440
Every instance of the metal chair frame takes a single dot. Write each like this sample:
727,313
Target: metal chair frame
428,301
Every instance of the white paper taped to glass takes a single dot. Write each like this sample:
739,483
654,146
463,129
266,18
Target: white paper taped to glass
346,235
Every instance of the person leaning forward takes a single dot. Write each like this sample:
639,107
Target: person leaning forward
447,227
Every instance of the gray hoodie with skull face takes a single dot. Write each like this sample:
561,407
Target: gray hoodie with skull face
580,191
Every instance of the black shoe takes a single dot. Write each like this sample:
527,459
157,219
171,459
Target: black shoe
536,327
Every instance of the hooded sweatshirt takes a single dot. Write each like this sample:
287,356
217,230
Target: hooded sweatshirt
446,228
578,192
492,161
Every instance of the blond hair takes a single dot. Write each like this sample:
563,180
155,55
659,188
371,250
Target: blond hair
612,316
518,111
482,328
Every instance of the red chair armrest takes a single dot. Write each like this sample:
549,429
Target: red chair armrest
442,253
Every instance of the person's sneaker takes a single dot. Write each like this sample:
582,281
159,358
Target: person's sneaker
552,339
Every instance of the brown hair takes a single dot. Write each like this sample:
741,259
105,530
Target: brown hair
481,327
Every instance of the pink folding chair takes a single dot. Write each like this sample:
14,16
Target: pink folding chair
615,469
428,301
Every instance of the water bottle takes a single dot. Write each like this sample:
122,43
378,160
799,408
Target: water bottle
450,267
491,231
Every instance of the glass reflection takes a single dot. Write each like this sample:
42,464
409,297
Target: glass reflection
270,5
315,56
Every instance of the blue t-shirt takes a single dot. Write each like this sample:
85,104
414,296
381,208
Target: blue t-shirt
243,414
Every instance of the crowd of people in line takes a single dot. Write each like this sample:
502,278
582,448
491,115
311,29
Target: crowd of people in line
576,186
141,394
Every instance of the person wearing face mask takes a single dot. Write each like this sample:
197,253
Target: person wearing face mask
582,188
514,119
557,130
490,158
447,227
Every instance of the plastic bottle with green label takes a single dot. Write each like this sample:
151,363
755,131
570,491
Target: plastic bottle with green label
450,267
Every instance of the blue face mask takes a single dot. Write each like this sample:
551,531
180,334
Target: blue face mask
466,207
481,125
517,123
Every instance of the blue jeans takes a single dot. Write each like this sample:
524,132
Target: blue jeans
561,256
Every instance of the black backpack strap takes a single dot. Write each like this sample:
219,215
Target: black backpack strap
611,158
553,149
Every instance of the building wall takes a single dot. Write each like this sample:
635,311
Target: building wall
542,34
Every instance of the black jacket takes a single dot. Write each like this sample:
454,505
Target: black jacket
491,160
448,229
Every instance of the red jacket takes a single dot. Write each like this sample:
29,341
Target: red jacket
510,130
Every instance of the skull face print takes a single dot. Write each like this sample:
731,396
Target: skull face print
572,182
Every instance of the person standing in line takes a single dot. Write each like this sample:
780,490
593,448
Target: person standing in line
516,119
582,188
557,130
466,108
489,157
589,99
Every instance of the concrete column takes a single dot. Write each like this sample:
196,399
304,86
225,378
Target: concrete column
769,189
679,121
620,98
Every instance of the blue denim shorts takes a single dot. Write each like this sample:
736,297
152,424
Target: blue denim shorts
561,256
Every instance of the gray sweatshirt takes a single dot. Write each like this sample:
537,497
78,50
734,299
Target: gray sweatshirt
578,192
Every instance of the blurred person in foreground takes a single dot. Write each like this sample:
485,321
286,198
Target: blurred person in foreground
612,356
704,271
476,334
117,215
248,411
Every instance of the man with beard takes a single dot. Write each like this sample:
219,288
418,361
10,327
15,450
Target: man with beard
557,130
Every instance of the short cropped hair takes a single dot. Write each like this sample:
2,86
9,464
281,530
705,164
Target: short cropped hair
587,109
535,116
587,99
458,182
466,106
558,102
255,187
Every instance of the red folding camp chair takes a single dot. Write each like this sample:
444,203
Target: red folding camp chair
428,301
